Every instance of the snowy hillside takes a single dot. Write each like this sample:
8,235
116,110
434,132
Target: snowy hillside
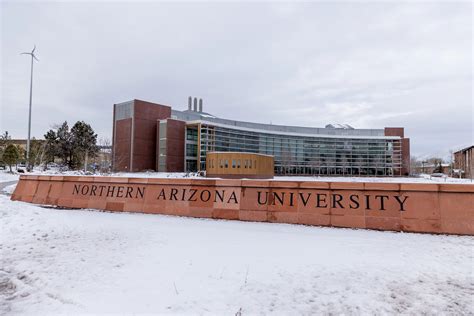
77,261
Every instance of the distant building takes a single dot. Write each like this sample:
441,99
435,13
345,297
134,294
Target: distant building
22,142
149,136
464,162
430,168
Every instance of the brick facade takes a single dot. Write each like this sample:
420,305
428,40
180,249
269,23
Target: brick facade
405,144
175,136
134,140
395,131
464,160
122,144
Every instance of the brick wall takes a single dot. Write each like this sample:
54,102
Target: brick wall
175,138
146,116
405,143
122,145
136,146
464,160
395,131
406,156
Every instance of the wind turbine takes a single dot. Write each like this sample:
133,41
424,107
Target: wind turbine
32,54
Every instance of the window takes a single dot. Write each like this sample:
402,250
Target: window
191,165
245,163
238,163
226,163
191,150
191,134
233,163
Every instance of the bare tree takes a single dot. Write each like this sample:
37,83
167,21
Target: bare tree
105,154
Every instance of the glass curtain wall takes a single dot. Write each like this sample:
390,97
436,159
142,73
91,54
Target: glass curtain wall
301,155
191,150
162,146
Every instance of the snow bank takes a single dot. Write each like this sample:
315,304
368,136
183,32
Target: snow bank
421,179
6,176
9,189
71,261
175,175
119,174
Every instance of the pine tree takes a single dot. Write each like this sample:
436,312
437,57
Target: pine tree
65,145
4,141
84,143
51,146
73,146
438,166
10,155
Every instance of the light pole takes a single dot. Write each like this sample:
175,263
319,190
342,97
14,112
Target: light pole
32,54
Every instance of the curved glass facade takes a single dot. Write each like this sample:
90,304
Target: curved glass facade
304,154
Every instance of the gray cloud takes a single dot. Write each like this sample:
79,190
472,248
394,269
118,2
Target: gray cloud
365,64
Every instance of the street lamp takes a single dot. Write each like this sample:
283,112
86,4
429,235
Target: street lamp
32,54
423,166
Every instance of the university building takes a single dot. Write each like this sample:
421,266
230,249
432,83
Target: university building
150,136
464,162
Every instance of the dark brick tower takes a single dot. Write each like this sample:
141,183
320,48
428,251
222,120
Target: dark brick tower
134,139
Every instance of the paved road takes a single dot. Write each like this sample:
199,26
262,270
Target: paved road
5,184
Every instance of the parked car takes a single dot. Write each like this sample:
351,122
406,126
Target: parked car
52,165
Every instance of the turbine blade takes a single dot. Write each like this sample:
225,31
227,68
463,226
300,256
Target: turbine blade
34,57
33,49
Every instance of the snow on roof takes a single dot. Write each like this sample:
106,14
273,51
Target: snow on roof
336,125
464,149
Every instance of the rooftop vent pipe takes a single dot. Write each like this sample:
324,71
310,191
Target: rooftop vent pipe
195,104
190,100
200,105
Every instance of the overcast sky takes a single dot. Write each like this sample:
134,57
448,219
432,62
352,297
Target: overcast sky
370,64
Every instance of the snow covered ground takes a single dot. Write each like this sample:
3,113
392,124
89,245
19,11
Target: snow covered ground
119,174
6,176
56,261
424,178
